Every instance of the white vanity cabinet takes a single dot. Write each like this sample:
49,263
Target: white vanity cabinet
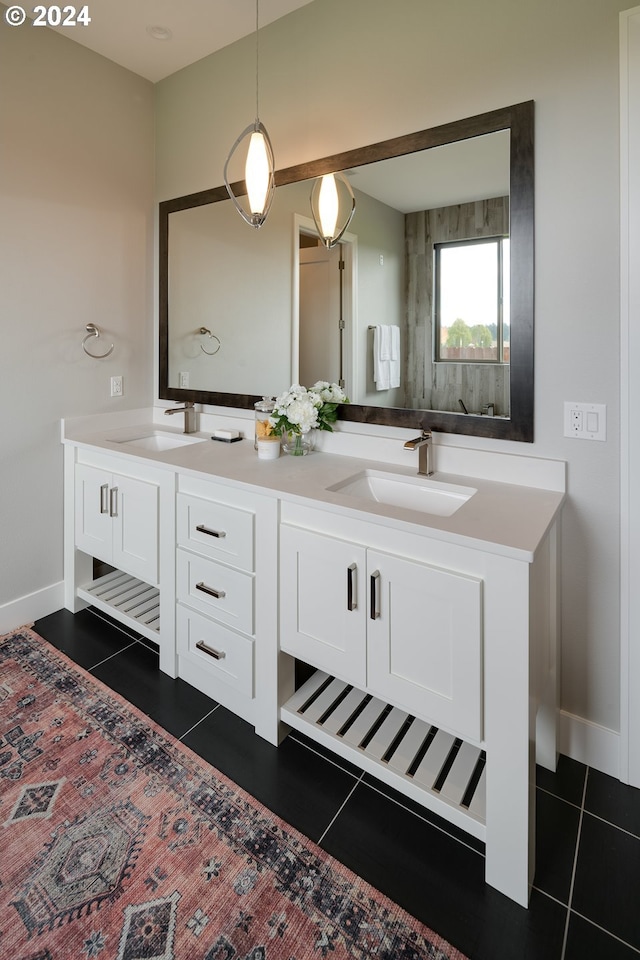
226,594
427,645
405,630
116,520
436,668
118,510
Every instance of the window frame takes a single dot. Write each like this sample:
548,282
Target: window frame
498,240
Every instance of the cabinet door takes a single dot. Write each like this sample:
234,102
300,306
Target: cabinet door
424,647
135,527
93,534
322,602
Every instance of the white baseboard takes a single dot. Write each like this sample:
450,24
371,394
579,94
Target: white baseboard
32,607
596,746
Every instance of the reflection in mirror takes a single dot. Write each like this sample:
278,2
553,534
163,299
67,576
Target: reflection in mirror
371,313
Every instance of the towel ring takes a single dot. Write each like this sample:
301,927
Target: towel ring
93,331
209,353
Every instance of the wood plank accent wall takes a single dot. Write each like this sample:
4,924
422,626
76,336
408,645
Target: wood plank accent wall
438,386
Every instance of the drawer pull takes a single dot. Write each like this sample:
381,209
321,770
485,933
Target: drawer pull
104,497
216,654
210,533
218,594
113,502
374,612
352,599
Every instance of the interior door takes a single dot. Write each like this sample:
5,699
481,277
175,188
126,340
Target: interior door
321,336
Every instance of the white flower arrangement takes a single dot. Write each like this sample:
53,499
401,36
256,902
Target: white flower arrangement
299,410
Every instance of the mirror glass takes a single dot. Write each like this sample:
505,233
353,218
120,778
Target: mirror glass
244,313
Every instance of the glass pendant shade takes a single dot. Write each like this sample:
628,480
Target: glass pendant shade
259,174
259,167
332,206
328,205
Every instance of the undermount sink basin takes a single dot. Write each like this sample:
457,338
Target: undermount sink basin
158,440
413,493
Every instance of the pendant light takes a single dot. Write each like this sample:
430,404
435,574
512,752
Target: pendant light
259,166
332,206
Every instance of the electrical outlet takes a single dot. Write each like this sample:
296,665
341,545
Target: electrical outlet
117,388
183,379
586,421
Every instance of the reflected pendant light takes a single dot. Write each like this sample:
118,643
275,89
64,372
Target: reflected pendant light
332,206
259,166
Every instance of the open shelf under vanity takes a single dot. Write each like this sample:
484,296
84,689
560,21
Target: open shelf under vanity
433,767
127,599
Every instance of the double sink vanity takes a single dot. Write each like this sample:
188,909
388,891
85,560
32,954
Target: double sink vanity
421,613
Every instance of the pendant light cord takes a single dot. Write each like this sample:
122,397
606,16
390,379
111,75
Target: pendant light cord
257,61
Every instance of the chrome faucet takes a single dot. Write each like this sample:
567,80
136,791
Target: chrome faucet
190,424
423,446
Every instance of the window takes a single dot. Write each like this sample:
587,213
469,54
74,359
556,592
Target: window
472,300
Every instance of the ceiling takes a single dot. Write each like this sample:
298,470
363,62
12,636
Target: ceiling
122,30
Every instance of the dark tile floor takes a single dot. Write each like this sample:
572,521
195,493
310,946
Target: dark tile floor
585,899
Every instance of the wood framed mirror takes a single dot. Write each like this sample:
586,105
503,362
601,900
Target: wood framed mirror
240,286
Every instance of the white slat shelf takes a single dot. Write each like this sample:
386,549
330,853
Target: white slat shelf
443,773
127,599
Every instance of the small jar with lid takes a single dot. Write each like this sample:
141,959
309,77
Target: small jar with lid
264,409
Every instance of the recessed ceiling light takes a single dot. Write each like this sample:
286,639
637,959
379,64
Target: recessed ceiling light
158,32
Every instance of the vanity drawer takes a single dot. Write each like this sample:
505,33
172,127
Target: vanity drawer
216,530
215,649
215,590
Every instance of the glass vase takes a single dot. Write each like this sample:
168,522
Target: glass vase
298,444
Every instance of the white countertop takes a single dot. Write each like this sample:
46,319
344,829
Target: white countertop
509,519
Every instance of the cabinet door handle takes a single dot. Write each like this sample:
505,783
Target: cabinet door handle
113,502
218,594
104,497
216,654
374,612
210,533
352,586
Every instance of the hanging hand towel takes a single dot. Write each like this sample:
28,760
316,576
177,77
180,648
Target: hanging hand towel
394,359
386,342
386,356
381,364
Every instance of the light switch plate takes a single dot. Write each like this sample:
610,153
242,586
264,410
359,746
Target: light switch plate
585,421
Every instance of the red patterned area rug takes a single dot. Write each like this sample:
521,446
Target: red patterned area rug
119,843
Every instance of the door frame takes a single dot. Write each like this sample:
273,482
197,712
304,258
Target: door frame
629,395
349,243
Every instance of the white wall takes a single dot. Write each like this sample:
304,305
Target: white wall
338,75
76,245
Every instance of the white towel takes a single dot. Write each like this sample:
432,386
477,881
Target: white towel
394,362
394,352
386,356
380,365
385,342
